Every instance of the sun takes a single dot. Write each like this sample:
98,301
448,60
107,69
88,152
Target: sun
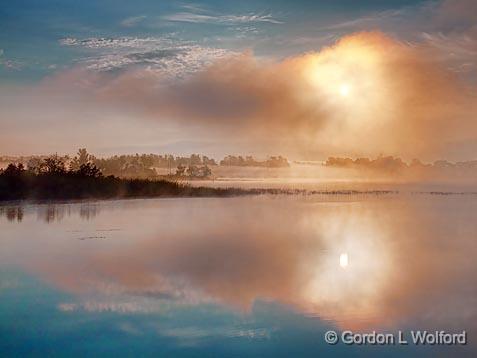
345,90
344,260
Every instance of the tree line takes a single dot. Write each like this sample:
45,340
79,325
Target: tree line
145,165
51,178
394,165
249,161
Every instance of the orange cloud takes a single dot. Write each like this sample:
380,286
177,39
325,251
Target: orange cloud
366,95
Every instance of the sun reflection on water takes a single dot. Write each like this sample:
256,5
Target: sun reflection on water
349,262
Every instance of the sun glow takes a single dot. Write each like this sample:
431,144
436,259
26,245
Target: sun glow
354,269
344,260
352,66
345,90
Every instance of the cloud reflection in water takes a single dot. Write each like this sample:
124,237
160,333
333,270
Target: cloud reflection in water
410,258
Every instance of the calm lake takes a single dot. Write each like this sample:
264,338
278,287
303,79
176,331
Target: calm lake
262,276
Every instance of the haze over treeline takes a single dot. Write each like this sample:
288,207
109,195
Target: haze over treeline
197,166
145,165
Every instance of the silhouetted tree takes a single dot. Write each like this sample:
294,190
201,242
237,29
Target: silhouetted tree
82,157
52,165
89,170
13,170
33,165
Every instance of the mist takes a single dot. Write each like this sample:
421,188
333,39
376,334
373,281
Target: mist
400,100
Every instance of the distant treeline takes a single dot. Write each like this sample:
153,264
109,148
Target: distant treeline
248,161
51,179
395,165
144,165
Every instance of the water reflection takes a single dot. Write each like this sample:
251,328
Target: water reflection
370,264
50,212
12,213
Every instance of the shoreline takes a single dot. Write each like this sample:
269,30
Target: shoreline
238,192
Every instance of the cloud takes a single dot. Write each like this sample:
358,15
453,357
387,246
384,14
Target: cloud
174,58
401,96
133,306
132,21
448,27
457,51
364,21
452,31
202,16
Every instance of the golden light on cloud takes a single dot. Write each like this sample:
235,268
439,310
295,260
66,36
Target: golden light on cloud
366,95
354,65
345,90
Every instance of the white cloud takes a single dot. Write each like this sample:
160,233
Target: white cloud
371,19
174,58
118,42
107,306
204,17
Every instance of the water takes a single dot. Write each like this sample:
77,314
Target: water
249,276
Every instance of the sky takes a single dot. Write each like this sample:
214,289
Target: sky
305,79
